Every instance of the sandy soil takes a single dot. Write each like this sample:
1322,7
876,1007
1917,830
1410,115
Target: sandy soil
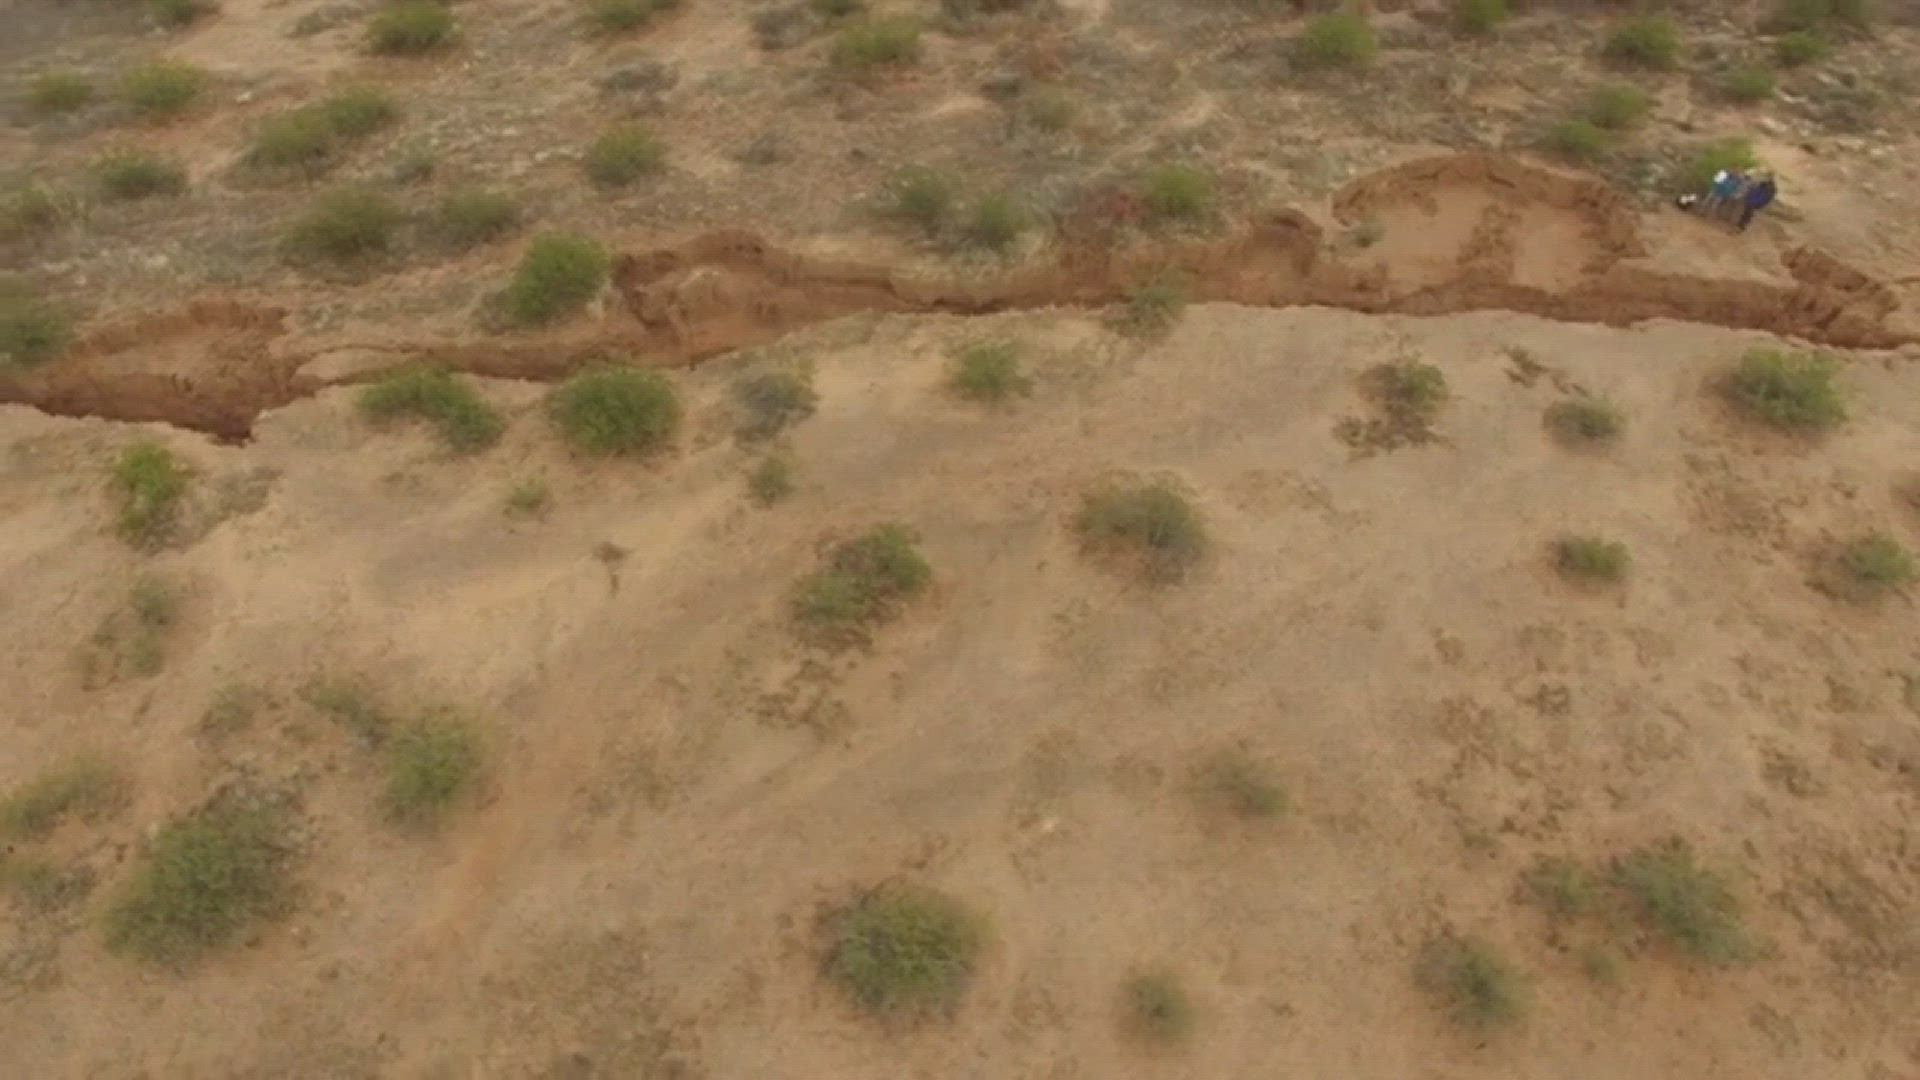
676,794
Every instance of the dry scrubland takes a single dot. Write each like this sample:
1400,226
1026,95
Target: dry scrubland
721,540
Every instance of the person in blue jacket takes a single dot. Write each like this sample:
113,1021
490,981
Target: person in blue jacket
1758,196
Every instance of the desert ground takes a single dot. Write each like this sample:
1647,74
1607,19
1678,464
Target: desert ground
1373,713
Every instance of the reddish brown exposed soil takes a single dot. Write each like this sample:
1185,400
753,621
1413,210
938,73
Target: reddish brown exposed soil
215,366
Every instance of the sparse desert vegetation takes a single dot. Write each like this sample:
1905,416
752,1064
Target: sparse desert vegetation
864,581
617,410
989,371
1591,558
1794,392
83,788
431,765
1152,524
772,401
150,482
1158,1008
905,951
465,420
204,879
1476,986
558,274
1585,421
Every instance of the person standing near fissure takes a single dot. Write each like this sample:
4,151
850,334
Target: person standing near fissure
1758,196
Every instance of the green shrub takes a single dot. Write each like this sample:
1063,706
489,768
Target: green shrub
923,197
620,16
617,410
84,787
529,498
1565,888
1410,392
864,581
1338,38
1617,107
871,44
623,155
771,480
1479,16
57,92
32,331
410,28
1236,782
1152,308
1585,421
350,704
133,175
204,879
430,765
1873,566
1807,15
174,14
1687,903
163,90
1158,1009
989,371
1747,84
465,420
1178,193
1791,391
1576,139
151,483
1649,40
357,111
772,401
1591,557
559,273
346,226
1475,985
309,139
43,885
905,950
1730,153
1800,47
994,222
473,216
1152,522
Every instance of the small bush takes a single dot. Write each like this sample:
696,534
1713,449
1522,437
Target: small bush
1479,16
1576,139
905,950
430,765
1591,557
1651,41
58,92
617,410
1585,421
129,176
865,579
1800,47
410,28
1732,153
204,879
529,498
872,44
163,90
1566,889
623,155
32,331
772,480
43,885
151,482
1807,15
84,788
771,402
989,371
474,216
465,420
1617,107
1412,393
1051,111
1178,193
994,222
923,198
346,226
620,16
1239,784
1153,308
1788,390
357,112
1152,522
559,273
1874,566
1747,84
1338,38
28,211
351,705
1158,1009
175,14
309,139
1475,985
1687,903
